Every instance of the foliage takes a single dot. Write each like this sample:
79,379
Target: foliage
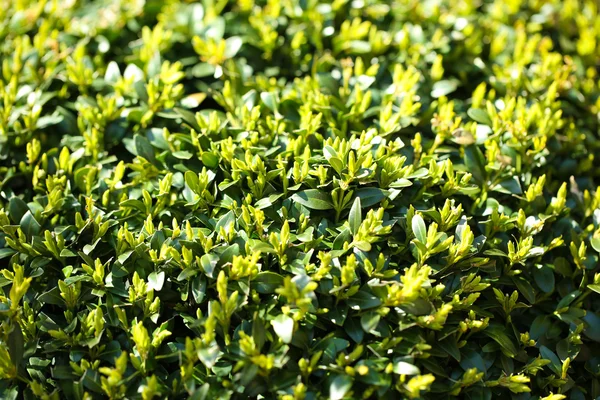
299,199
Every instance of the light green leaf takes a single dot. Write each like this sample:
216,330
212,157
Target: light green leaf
594,287
314,199
156,281
355,217
284,327
479,115
340,385
404,368
419,229
443,88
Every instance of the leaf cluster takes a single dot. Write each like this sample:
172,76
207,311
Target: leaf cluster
292,199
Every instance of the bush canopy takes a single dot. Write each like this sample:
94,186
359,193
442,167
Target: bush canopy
299,199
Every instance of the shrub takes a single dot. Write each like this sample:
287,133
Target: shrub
299,199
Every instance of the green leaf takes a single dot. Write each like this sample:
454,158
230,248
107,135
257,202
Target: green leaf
233,46
337,164
355,218
156,281
363,300
444,88
269,99
182,155
284,327
592,329
189,154
594,287
17,209
354,330
198,288
525,289
187,273
113,73
340,385
539,327
133,72
153,66
215,29
209,356
509,186
6,252
210,160
370,196
193,100
314,199
369,321
226,220
419,229
568,299
208,262
144,148
363,245
479,115
475,163
498,333
544,278
435,368
266,282
329,153
359,47
29,225
595,242
449,346
404,368
16,346
187,116
228,254
555,363
473,359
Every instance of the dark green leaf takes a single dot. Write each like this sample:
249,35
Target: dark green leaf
544,278
474,161
266,282
17,209
16,346
144,148
449,346
29,225
363,301
369,321
501,336
370,196
525,289
592,329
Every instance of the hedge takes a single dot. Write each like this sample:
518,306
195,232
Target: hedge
299,199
